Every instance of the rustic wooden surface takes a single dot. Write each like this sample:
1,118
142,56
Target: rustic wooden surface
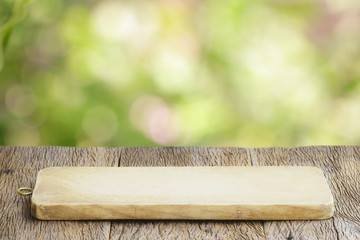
19,166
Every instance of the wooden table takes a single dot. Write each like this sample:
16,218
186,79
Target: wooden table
19,166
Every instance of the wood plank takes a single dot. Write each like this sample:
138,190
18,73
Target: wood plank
192,156
19,167
306,156
343,167
208,193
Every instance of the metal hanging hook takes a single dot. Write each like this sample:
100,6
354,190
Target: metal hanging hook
25,191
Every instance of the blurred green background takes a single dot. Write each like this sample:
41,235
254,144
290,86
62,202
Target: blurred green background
206,73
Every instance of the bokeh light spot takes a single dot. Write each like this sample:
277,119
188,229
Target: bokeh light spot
100,124
20,101
152,116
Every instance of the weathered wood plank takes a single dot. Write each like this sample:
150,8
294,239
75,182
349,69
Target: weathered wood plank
19,167
342,168
306,156
185,229
344,173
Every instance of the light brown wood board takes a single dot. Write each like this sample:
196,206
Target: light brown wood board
220,193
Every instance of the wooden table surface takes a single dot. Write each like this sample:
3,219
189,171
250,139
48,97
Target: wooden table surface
19,167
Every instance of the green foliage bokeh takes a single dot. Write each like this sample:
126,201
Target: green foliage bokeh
214,73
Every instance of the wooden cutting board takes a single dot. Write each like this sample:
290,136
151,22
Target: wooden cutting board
262,193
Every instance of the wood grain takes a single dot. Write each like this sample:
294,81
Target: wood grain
19,167
191,156
342,168
342,165
310,156
205,192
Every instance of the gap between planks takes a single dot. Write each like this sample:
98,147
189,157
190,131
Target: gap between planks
252,154
254,161
123,151
118,165
333,218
